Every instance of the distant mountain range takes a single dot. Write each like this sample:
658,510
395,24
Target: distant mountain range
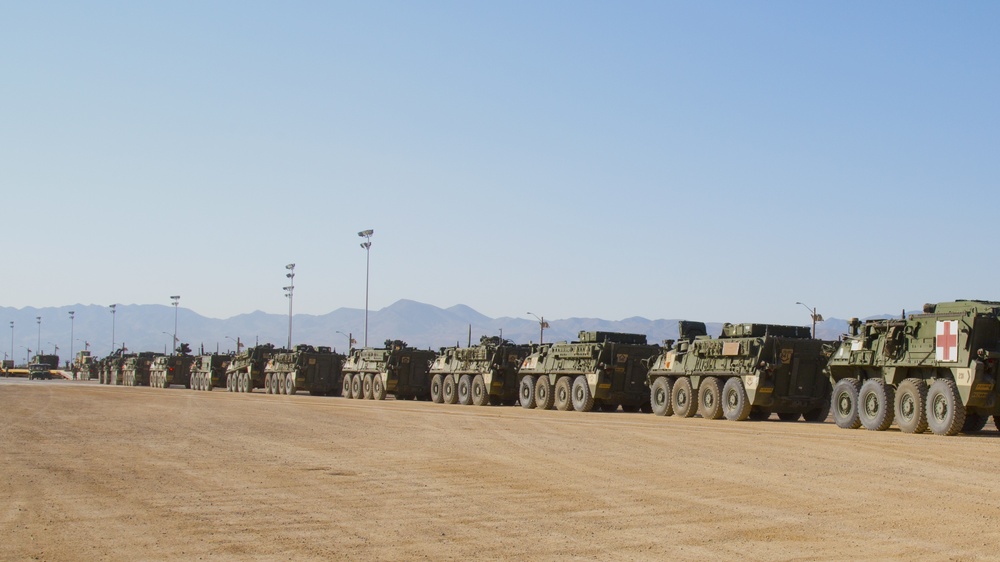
149,327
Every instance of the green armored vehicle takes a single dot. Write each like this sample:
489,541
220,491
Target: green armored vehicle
481,375
209,371
602,369
397,369
749,371
135,369
85,367
246,371
316,370
168,370
937,369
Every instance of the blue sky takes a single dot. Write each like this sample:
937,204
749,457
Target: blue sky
705,160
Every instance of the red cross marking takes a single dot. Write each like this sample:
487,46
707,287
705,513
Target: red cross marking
946,341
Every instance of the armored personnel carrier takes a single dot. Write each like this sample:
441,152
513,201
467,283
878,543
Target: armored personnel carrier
209,371
934,370
316,370
109,369
749,371
246,370
167,370
135,369
602,369
481,375
85,366
397,369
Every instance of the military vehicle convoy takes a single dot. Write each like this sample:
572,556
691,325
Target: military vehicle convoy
397,369
934,370
602,369
316,370
749,371
485,374
167,370
209,371
135,369
246,371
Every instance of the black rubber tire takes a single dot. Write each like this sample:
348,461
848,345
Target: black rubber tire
789,416
268,384
480,394
945,410
659,397
465,390
289,384
437,389
526,392
735,402
682,398
583,399
910,406
844,402
820,414
974,422
543,393
562,395
366,386
356,388
876,404
449,390
345,387
206,382
710,398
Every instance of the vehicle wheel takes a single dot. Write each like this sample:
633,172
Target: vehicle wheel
710,398
480,394
735,402
465,390
378,388
526,392
583,400
759,414
789,416
659,397
269,384
437,396
543,393
366,386
845,403
289,384
875,404
345,387
974,422
562,395
206,381
911,396
945,411
356,391
682,398
449,390
818,415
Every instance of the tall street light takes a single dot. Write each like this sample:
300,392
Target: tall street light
72,314
350,339
367,245
542,324
112,307
289,292
27,356
239,345
174,300
815,317
39,346
11,340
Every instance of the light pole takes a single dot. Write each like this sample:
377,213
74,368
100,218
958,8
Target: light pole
290,291
112,307
174,300
167,334
239,346
86,345
27,356
11,340
55,348
815,317
72,314
367,245
350,339
39,346
542,324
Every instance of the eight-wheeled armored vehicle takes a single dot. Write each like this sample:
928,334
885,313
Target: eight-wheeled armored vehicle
372,373
313,369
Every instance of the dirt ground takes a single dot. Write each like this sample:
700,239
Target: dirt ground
90,472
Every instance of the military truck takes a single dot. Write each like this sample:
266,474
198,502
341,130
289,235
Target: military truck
246,371
602,369
39,371
209,371
313,369
372,373
168,370
749,372
483,374
934,370
135,369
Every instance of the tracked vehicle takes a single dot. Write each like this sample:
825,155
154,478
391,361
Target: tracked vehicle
481,375
316,370
749,371
168,370
934,370
603,369
246,371
209,371
397,369
135,369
